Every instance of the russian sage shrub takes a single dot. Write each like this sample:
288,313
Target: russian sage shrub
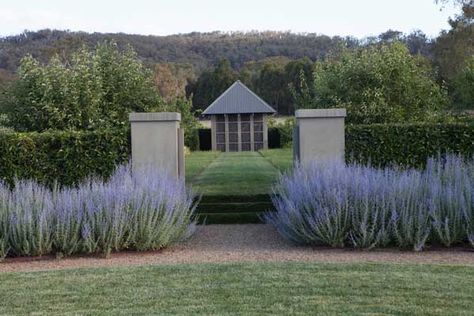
68,222
312,206
29,208
143,210
334,205
365,207
4,245
451,203
140,210
409,210
369,211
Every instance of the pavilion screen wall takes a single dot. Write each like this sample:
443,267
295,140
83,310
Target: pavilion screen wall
240,132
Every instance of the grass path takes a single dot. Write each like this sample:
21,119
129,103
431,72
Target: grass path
281,158
245,173
197,161
243,289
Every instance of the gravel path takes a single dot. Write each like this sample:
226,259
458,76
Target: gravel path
239,243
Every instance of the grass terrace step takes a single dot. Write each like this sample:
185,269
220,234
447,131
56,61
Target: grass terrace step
234,207
230,218
258,198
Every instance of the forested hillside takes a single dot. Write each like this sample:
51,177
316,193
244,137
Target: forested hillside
201,50
276,65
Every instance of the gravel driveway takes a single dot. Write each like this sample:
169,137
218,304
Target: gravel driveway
239,243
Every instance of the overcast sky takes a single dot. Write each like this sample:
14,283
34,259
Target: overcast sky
359,18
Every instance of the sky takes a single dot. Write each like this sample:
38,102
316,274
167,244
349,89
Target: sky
359,18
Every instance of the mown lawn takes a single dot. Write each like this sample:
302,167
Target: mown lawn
282,158
244,289
197,161
245,173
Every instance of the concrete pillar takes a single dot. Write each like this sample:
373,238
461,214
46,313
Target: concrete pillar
320,134
157,141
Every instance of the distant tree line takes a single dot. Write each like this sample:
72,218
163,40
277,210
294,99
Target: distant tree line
276,65
410,75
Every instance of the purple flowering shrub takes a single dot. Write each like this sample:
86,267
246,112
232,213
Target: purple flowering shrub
364,207
143,210
451,201
410,220
4,248
29,210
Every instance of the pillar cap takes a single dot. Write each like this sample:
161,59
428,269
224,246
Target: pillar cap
154,117
315,113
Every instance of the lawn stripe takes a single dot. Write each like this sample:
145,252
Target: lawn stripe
244,173
246,288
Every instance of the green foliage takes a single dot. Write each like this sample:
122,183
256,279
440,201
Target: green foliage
249,288
96,89
464,86
452,48
178,59
285,130
271,85
4,233
271,78
63,157
378,84
302,93
212,83
239,173
188,122
202,50
407,144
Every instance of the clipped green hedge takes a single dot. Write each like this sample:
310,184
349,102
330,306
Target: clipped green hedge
68,157
407,144
65,157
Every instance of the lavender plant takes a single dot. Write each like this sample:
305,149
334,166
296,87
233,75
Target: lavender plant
365,207
370,192
312,206
139,210
450,187
4,245
30,219
68,222
409,210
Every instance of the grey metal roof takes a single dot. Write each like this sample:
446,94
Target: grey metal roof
238,99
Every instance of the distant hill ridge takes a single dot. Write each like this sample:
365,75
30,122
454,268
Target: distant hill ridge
202,50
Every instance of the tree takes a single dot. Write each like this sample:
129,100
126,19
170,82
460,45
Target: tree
390,36
270,85
275,78
299,75
171,79
452,48
464,86
455,2
95,89
188,122
211,84
378,84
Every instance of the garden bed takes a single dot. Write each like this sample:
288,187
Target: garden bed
243,243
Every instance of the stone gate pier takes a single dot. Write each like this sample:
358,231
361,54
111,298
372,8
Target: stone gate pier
319,135
158,141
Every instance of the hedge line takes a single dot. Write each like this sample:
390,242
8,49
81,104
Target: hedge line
64,157
407,144
69,157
